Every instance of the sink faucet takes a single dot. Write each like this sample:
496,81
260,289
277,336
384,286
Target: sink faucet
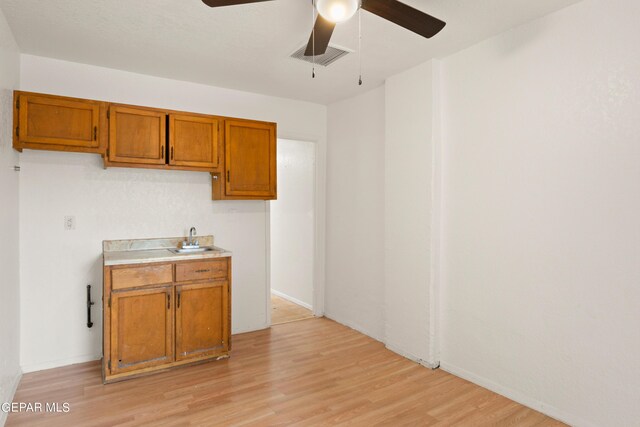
192,233
191,243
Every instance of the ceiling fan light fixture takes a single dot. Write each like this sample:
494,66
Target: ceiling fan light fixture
337,10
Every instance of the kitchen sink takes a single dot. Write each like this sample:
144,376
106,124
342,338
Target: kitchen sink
192,250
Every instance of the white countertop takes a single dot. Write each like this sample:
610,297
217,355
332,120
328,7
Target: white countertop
142,251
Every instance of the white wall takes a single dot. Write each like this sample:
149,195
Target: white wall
9,237
408,189
355,213
541,250
292,220
380,211
117,203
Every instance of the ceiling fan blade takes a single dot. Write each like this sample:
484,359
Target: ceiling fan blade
322,30
219,3
405,16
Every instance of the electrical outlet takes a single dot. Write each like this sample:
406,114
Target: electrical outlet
69,222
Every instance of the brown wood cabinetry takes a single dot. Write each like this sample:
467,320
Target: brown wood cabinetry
137,136
250,161
45,122
161,315
193,141
201,319
240,154
141,329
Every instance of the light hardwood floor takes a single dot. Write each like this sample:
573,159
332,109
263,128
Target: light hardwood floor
283,311
311,373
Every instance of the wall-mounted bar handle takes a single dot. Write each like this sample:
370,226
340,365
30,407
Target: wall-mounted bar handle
89,304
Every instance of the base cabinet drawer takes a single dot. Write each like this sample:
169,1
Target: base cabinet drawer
133,277
201,270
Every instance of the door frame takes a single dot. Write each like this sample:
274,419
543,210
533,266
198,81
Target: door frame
319,210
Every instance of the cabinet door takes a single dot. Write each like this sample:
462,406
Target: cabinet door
202,319
250,151
141,329
137,135
58,122
193,141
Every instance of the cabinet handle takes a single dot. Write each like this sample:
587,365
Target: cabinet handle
162,152
228,175
202,271
178,299
95,133
171,153
168,301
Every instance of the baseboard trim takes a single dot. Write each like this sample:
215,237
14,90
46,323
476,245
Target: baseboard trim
357,328
412,357
12,393
291,299
516,396
59,363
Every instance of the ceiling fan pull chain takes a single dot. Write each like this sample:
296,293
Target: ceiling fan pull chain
360,43
313,38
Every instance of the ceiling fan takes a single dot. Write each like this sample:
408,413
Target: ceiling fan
332,12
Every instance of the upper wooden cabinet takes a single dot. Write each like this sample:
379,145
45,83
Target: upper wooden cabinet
137,135
193,140
240,154
250,161
47,122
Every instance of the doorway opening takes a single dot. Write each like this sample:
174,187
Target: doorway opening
292,233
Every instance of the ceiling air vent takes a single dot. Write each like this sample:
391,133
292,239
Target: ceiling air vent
329,57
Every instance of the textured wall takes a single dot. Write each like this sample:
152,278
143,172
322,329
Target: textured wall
355,213
292,219
118,203
409,173
9,271
542,200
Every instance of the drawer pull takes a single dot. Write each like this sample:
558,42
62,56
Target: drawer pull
203,271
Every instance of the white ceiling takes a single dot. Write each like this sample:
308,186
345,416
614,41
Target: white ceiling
247,47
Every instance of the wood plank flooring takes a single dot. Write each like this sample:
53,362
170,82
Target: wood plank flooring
310,373
283,311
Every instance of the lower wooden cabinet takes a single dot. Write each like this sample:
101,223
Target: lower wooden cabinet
201,320
141,329
157,316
